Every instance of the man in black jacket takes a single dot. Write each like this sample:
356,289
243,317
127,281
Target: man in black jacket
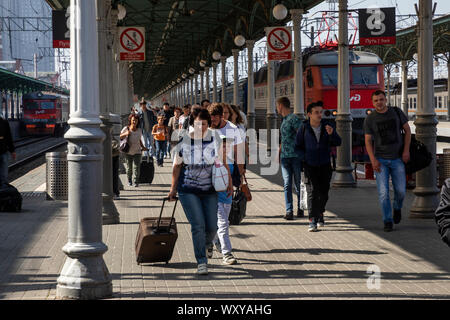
6,145
442,215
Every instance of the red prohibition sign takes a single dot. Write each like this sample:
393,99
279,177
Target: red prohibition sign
273,34
125,34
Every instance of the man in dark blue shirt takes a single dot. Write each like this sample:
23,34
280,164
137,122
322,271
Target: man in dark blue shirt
315,139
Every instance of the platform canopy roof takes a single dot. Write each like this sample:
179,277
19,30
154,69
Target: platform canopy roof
180,33
406,42
15,82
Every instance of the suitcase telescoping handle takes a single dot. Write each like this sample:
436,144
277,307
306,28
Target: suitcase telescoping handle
173,213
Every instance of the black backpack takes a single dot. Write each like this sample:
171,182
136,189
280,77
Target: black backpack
420,157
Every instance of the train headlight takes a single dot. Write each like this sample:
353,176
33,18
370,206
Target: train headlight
327,113
368,111
334,113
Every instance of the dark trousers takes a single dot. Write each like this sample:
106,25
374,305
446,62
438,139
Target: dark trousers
317,188
115,168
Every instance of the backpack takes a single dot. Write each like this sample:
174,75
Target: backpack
420,157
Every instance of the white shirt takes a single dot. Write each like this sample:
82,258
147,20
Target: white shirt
234,137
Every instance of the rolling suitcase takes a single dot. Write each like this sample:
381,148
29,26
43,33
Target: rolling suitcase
147,170
156,237
10,199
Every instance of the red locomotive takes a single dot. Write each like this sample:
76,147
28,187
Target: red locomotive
45,113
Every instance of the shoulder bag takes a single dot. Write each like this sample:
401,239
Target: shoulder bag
124,145
420,157
219,176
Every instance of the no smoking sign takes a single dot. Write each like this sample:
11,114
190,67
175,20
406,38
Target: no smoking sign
279,43
132,43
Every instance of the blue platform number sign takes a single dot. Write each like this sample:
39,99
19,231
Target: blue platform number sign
61,28
376,26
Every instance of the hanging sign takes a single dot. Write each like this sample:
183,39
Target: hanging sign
61,28
279,43
376,26
132,43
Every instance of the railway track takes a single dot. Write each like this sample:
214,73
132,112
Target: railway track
30,149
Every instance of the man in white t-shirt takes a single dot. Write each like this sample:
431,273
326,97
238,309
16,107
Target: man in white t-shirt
235,154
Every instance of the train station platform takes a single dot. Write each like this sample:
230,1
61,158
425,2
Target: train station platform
277,259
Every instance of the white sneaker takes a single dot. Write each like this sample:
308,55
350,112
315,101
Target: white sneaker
202,269
229,259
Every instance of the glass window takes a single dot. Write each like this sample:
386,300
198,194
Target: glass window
435,102
31,105
47,105
366,75
440,102
329,76
415,103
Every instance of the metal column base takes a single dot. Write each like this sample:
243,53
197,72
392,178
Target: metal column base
343,178
110,215
251,119
424,204
84,258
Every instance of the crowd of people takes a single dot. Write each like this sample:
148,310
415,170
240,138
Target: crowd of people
199,135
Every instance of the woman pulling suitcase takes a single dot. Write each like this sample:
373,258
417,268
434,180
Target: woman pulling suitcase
194,158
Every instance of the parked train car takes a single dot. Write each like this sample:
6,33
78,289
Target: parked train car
441,100
45,113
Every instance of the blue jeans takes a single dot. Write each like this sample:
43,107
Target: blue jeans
291,168
201,212
396,169
160,150
4,161
147,137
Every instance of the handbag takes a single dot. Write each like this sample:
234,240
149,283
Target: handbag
419,156
124,145
219,176
238,207
246,190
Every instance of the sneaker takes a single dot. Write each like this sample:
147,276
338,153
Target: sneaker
209,251
388,227
130,184
312,226
229,259
321,222
136,185
218,247
300,213
397,216
289,216
202,269
116,197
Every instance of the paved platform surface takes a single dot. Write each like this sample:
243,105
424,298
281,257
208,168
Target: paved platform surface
278,259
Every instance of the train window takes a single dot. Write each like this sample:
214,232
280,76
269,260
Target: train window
47,105
309,78
292,87
435,102
440,102
366,75
329,77
415,103
31,105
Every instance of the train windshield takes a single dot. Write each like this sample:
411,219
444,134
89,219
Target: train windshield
47,105
31,105
329,77
366,75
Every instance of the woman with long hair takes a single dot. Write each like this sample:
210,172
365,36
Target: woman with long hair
134,154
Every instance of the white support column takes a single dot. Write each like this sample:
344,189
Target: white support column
250,86
426,193
202,86
405,87
84,274
207,83
271,116
223,62
235,75
344,169
196,88
214,94
299,106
